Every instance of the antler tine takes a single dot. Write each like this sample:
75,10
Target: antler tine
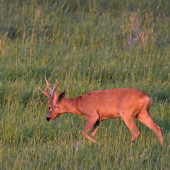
46,92
52,91
48,85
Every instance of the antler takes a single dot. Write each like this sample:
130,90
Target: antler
52,91
46,92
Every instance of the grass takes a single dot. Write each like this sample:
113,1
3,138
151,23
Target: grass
86,45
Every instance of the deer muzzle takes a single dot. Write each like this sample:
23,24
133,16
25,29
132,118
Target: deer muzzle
48,118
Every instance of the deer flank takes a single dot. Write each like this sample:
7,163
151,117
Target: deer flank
99,105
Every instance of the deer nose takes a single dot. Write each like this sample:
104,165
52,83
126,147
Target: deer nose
48,118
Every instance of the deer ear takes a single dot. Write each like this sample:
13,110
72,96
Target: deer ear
56,96
61,95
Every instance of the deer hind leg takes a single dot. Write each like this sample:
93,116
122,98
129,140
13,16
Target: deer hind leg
130,123
94,129
90,123
145,118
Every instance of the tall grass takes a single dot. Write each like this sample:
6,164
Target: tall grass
86,45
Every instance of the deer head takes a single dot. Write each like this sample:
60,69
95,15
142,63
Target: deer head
55,106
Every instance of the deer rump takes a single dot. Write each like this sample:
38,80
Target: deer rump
99,105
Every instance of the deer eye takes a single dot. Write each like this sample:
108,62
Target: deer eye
48,108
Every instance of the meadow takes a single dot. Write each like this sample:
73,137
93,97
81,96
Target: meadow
85,45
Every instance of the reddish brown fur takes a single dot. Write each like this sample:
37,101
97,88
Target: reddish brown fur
100,105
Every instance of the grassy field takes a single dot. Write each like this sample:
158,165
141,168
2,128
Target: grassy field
87,45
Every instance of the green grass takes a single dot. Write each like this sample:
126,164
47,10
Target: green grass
86,45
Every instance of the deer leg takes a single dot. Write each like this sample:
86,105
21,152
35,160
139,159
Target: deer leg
130,123
90,123
145,118
94,129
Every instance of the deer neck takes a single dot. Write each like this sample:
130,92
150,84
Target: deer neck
71,105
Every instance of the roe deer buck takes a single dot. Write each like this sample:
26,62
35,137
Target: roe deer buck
96,106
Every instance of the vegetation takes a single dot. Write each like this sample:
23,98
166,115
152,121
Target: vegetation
87,45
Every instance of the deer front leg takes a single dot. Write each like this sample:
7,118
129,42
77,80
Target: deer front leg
94,129
90,123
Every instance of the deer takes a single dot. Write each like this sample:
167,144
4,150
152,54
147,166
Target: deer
99,105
